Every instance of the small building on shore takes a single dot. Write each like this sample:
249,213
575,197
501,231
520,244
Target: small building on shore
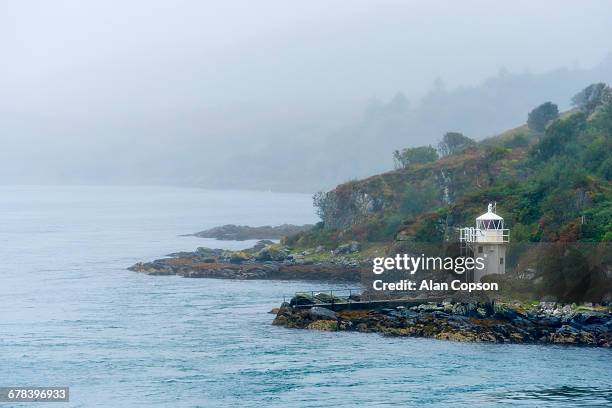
487,240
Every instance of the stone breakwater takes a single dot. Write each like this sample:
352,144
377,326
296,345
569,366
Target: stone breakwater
545,323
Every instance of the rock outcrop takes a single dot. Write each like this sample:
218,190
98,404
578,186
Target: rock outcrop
265,260
462,321
269,262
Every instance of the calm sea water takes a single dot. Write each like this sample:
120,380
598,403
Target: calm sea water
70,314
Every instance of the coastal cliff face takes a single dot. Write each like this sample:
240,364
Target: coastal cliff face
432,185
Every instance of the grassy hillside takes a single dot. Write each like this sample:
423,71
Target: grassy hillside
551,186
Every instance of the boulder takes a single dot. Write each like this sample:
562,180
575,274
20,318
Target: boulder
152,268
261,244
301,299
550,321
239,257
591,318
272,253
203,252
430,307
321,313
503,312
348,248
565,335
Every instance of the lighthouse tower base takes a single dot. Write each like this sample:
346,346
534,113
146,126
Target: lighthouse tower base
494,256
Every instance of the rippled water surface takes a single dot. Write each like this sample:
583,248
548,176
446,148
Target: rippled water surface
70,314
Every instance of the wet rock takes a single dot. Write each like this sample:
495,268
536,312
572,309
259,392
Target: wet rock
239,257
430,307
504,312
566,335
302,299
481,312
459,310
597,329
591,318
322,313
475,322
272,253
323,325
549,321
261,244
203,252
153,268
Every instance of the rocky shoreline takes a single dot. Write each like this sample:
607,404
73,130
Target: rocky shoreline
543,323
263,261
457,318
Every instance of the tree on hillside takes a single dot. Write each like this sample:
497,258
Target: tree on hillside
566,274
454,142
518,140
558,136
540,116
592,97
414,155
322,203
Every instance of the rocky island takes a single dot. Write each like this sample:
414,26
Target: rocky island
456,319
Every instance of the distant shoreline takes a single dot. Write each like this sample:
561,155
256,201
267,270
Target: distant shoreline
231,232
258,262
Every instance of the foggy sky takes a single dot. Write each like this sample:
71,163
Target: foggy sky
81,81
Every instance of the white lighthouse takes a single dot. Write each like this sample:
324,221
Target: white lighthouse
488,240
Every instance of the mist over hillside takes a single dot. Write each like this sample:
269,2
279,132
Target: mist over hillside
364,146
279,96
305,152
